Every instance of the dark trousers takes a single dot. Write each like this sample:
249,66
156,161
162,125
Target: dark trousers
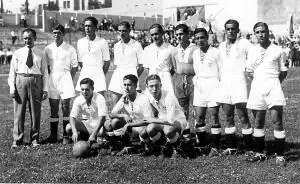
28,90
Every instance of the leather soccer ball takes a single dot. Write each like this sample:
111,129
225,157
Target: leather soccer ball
81,149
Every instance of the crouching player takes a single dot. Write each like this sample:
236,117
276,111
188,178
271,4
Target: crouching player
266,65
167,111
128,115
88,113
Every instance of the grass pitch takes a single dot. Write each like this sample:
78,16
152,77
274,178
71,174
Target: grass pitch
54,162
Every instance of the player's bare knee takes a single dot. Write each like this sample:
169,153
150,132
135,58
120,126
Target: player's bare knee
152,130
117,123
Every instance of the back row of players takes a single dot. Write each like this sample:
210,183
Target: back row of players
201,75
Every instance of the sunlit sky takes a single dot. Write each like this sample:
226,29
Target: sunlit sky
14,5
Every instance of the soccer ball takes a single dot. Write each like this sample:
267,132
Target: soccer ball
81,149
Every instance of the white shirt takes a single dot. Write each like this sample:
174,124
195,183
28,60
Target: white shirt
266,62
127,55
62,58
185,55
233,61
168,107
18,65
206,64
157,58
138,109
82,111
93,53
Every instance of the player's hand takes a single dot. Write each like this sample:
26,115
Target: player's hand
75,136
45,95
92,138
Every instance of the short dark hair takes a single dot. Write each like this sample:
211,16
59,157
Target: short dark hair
160,28
126,24
259,24
29,30
184,27
132,78
88,81
201,30
60,28
232,21
92,19
152,77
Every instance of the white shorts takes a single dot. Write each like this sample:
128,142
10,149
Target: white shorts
203,88
232,89
116,82
61,85
265,93
96,74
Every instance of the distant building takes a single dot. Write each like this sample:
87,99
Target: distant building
82,5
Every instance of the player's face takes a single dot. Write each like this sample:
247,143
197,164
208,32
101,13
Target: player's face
262,34
28,39
156,36
201,39
86,91
89,28
231,31
154,87
129,86
57,35
181,36
124,32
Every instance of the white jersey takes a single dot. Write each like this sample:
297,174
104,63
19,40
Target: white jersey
92,113
61,60
266,62
206,64
168,108
92,54
139,109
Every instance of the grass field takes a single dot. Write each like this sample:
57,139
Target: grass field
54,163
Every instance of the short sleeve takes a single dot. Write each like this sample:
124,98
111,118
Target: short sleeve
102,108
139,53
118,106
147,109
74,61
75,109
145,57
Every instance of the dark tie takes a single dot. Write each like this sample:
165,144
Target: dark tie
29,61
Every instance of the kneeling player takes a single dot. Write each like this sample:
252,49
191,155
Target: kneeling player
88,113
266,65
129,113
168,111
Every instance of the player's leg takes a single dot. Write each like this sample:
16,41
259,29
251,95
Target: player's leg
258,136
215,130
246,126
54,120
200,113
230,129
65,105
279,134
146,143
184,103
156,135
172,134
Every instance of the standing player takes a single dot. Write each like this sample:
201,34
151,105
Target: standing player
88,113
62,65
127,58
93,56
157,57
206,66
266,66
182,57
232,90
169,111
129,113
28,83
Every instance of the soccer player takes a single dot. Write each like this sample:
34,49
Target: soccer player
28,83
62,63
232,90
182,58
206,65
157,57
266,65
168,111
127,58
88,113
93,56
129,113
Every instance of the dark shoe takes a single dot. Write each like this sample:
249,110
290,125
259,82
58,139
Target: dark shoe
230,151
66,140
258,157
214,152
51,139
35,143
16,144
167,150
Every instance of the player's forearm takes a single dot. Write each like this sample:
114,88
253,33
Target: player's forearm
105,66
72,123
100,124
